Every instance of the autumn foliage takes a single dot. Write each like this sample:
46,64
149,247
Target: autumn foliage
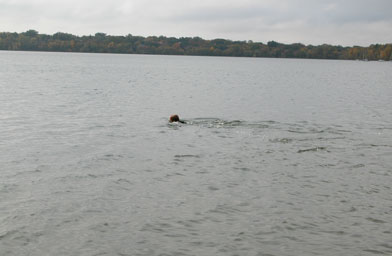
101,43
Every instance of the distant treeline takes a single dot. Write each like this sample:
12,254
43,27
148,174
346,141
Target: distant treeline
31,40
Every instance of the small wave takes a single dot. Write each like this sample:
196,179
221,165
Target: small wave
375,220
281,140
7,234
357,166
300,129
305,128
214,122
371,145
184,156
312,149
211,122
373,251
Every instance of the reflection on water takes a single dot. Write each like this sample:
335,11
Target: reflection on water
293,164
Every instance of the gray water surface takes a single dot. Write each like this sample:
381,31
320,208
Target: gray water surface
278,156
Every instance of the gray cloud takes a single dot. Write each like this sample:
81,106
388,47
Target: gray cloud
345,22
320,12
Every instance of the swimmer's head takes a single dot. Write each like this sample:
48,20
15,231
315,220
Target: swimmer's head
174,118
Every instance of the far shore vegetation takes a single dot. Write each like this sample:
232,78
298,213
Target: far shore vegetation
31,40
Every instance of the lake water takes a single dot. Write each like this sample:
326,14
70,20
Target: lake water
278,156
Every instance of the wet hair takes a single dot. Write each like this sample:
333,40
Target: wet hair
174,118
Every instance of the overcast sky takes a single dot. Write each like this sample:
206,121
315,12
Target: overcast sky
338,22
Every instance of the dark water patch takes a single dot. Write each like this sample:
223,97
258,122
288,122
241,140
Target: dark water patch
7,234
87,176
327,165
357,166
213,188
266,233
107,157
187,156
301,131
374,251
331,138
374,220
226,209
8,188
157,228
334,232
244,169
293,238
315,149
385,245
375,145
123,181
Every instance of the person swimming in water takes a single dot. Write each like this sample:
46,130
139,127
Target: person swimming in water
176,118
